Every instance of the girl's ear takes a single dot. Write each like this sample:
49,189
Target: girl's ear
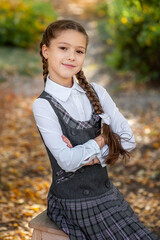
45,51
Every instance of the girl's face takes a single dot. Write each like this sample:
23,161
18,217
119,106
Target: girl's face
65,55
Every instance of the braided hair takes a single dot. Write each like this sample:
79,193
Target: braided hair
112,139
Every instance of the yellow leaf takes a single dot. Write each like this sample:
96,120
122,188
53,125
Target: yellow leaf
156,145
40,187
15,224
29,193
151,184
12,198
15,190
124,20
16,154
28,214
36,194
41,168
46,184
35,209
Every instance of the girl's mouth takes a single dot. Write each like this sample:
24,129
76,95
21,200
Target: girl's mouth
68,65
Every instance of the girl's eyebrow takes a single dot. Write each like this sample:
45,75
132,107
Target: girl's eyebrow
70,44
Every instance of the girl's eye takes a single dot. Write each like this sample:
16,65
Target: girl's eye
80,52
63,48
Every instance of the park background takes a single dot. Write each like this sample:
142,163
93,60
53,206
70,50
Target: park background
123,56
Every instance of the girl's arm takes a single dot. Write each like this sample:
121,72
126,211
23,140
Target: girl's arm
118,123
69,159
100,142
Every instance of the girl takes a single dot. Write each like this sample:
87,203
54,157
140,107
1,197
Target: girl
83,131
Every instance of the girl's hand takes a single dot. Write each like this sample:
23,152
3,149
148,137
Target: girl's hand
66,140
92,162
100,140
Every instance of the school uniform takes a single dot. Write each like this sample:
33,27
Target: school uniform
82,200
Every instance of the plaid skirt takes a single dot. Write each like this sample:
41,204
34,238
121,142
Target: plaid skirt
107,216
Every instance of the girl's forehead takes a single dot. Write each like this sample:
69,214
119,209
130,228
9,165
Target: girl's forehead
70,36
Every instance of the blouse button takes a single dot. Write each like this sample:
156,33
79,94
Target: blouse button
81,170
107,184
86,192
73,132
97,124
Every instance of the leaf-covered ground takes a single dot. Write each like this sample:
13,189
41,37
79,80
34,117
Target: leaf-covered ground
26,170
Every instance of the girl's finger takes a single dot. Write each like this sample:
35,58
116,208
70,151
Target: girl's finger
66,140
70,146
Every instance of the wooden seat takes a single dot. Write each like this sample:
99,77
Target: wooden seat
45,229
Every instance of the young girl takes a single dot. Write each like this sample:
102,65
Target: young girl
83,131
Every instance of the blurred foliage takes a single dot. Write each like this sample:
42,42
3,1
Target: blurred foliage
101,9
131,30
23,21
30,65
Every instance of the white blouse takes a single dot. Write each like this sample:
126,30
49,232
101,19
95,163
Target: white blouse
77,104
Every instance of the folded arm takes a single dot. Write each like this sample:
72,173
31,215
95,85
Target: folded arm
95,160
118,123
69,159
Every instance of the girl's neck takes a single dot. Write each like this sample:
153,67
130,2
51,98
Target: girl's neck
65,83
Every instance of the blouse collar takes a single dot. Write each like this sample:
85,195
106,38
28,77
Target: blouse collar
59,91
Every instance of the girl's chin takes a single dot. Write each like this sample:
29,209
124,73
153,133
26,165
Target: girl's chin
68,75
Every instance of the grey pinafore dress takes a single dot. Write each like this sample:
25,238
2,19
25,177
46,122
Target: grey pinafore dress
85,204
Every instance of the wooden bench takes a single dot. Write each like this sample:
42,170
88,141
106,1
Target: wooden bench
45,229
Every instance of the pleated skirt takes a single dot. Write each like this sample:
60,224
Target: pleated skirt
107,216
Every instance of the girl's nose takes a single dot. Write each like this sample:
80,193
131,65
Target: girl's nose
71,55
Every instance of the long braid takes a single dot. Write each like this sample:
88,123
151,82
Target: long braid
45,65
45,69
89,92
112,139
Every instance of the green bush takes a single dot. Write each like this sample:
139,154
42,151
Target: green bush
22,22
132,31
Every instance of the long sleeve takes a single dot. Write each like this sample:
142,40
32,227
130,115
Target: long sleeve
69,159
118,123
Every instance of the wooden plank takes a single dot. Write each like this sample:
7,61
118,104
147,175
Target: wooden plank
51,236
44,224
36,235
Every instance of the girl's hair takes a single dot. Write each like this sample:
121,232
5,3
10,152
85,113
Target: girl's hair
112,139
